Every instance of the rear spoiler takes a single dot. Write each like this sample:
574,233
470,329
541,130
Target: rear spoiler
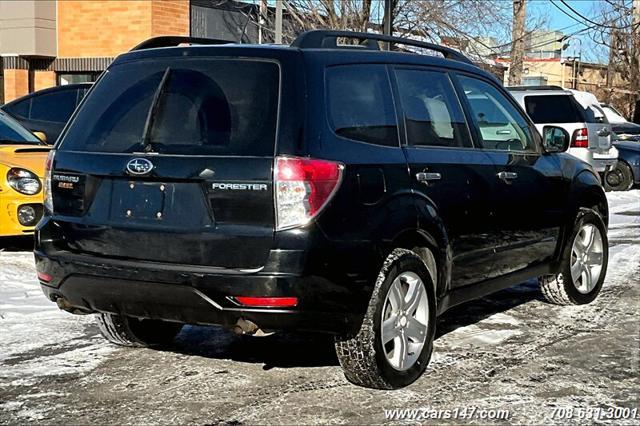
31,150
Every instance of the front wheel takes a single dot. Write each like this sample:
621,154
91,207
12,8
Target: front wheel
583,264
394,343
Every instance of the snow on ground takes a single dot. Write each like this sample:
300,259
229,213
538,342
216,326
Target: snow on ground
508,350
32,329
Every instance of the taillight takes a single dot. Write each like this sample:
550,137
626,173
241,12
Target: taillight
303,187
48,196
580,138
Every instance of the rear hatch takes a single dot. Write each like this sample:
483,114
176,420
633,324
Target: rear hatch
170,160
563,110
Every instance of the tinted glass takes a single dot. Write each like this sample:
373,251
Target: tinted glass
360,104
12,132
595,114
56,107
205,106
19,109
432,113
553,109
502,126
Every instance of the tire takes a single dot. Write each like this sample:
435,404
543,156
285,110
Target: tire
134,332
620,178
364,358
588,260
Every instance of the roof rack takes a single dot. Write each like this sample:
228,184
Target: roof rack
535,88
327,39
170,41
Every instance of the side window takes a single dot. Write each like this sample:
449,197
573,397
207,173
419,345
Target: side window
360,105
20,109
432,113
57,106
502,126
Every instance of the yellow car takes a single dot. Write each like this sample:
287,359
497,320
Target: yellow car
22,162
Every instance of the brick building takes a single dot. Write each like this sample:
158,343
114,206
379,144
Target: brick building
44,43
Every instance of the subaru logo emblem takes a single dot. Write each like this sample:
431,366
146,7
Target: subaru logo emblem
139,166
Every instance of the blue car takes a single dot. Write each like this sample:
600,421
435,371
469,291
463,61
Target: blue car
626,173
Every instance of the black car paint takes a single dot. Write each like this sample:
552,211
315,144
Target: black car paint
629,152
481,239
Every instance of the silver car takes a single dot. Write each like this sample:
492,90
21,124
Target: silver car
588,126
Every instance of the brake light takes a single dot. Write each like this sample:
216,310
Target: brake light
580,138
267,302
303,187
48,194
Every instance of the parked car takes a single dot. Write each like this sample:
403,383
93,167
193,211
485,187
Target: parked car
275,188
47,110
589,130
22,161
626,173
624,130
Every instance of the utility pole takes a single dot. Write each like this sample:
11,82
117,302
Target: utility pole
517,44
262,20
635,45
388,21
278,38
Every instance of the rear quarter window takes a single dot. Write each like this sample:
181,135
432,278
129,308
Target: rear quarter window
360,105
205,106
553,109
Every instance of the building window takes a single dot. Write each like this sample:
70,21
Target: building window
538,80
76,77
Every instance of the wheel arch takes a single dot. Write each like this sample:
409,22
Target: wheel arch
432,248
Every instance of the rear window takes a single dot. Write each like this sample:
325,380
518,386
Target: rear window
181,106
553,109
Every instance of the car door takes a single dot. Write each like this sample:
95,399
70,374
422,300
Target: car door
528,192
449,177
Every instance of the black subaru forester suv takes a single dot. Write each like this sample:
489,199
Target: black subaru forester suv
327,186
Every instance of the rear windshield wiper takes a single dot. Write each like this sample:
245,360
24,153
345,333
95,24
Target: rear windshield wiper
153,111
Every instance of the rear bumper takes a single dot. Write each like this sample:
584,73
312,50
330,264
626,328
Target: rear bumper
91,285
600,162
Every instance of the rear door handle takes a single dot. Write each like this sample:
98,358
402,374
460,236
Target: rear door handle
604,132
426,177
507,176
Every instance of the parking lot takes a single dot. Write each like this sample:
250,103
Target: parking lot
508,353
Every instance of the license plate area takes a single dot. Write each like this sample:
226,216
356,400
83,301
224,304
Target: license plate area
140,201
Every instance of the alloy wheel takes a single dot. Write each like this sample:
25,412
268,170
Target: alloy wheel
586,258
404,321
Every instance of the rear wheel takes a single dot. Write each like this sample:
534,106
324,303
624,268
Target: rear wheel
134,332
620,178
583,264
394,344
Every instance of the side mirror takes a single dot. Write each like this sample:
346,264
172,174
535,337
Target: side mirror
41,135
555,139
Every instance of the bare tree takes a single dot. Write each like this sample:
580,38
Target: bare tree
617,26
517,43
